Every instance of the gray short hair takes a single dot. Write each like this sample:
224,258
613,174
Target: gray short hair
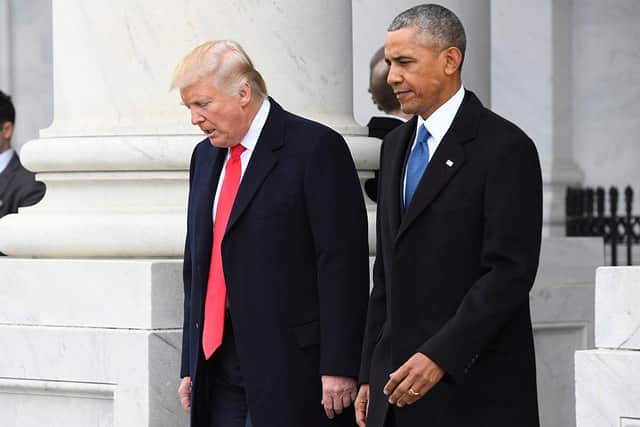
439,24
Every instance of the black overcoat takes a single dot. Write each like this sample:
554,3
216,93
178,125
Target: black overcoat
453,273
295,259
18,188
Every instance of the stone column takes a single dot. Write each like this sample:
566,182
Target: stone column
5,46
607,386
531,65
115,157
90,331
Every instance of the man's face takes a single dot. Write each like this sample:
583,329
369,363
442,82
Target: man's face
6,131
222,117
417,72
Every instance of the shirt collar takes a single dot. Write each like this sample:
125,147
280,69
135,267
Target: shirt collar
439,122
251,137
5,158
392,116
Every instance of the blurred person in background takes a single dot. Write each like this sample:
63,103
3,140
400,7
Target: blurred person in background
18,186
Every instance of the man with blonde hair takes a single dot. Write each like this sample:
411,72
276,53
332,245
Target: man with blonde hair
275,262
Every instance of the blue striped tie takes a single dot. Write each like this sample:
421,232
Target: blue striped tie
417,164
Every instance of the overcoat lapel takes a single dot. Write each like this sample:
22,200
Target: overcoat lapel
446,162
208,175
400,146
263,160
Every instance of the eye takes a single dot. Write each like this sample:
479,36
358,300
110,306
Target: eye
202,104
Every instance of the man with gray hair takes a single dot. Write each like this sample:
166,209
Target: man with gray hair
276,259
449,340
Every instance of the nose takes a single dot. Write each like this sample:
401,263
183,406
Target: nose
394,77
196,118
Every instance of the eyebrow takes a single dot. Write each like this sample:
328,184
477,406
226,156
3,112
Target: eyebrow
399,58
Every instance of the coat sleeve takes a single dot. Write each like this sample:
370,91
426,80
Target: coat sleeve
31,193
186,278
509,257
338,222
377,311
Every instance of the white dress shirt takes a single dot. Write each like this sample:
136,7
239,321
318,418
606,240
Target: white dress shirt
249,143
438,123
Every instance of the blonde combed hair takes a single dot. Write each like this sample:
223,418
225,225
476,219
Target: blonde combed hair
226,62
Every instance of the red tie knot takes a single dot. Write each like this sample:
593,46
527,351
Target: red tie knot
236,150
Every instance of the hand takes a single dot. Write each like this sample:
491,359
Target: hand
184,392
412,380
362,405
337,394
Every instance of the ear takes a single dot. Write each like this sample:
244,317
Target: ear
7,130
245,94
452,60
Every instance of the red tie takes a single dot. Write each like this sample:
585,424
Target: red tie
214,305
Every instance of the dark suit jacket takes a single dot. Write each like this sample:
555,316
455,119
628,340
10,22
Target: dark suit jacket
18,188
378,127
295,259
453,273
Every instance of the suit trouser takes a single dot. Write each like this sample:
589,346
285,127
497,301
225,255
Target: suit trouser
223,394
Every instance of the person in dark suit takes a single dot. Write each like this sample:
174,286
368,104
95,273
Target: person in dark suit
449,339
276,258
18,186
383,97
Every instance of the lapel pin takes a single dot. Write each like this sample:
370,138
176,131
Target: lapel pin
449,163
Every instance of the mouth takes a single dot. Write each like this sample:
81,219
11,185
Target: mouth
208,132
400,93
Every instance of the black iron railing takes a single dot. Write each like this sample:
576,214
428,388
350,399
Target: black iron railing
591,213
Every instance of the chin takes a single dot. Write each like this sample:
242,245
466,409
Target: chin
216,143
407,109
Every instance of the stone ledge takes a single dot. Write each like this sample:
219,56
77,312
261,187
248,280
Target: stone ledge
607,387
617,314
126,294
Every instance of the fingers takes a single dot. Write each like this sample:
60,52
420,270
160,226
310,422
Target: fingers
337,403
184,393
185,402
361,414
412,380
395,379
362,405
327,403
419,386
399,395
409,391
337,393
347,399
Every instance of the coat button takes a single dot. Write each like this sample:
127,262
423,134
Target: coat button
197,326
